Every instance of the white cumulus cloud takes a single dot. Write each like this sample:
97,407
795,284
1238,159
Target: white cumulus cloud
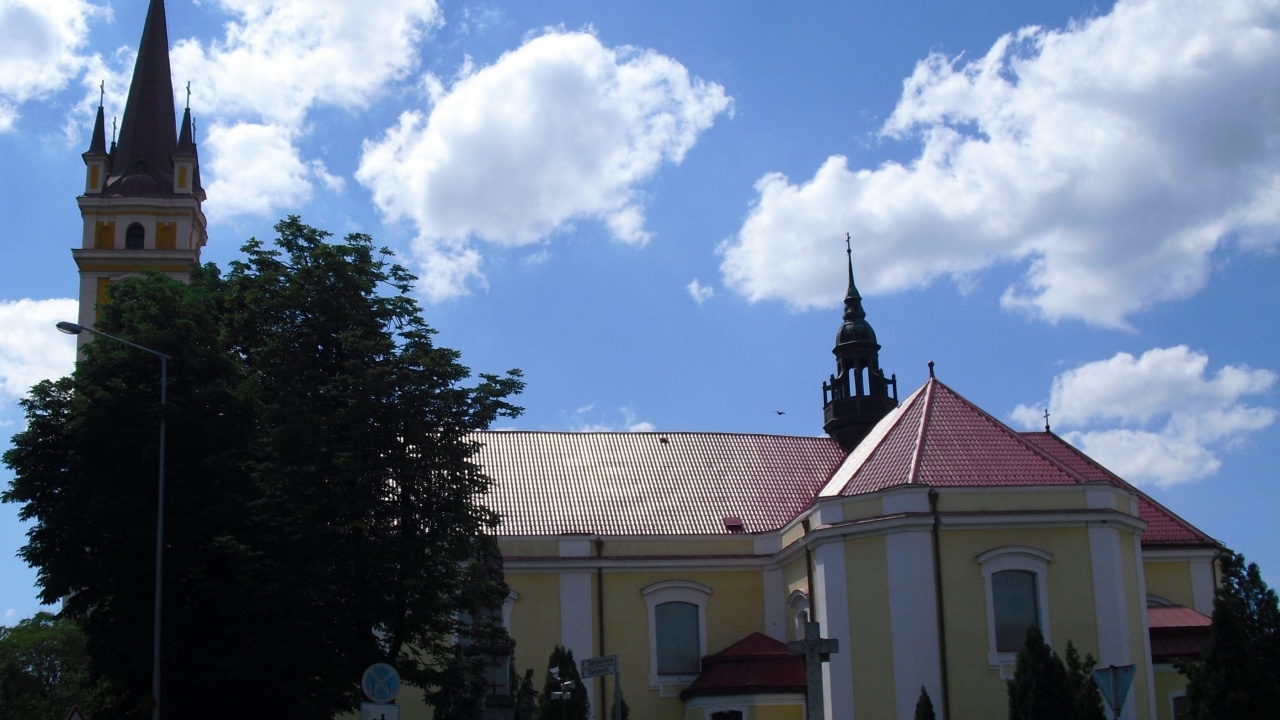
40,44
558,130
277,61
255,169
699,292
31,349
1111,158
1161,417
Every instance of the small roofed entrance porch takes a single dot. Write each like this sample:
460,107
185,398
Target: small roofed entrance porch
756,678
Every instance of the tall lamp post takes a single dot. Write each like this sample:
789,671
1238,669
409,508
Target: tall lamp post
75,329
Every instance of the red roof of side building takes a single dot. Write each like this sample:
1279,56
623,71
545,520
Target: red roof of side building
551,483
1177,632
938,438
757,664
1163,526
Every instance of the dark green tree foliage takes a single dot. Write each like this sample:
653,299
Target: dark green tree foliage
1238,673
1039,689
1086,697
44,670
576,706
322,501
86,473
619,702
479,675
924,706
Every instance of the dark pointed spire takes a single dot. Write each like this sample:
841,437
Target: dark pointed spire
855,327
147,134
186,142
98,143
852,300
857,396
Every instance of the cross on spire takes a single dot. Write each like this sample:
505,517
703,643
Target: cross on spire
1046,419
816,650
102,92
188,94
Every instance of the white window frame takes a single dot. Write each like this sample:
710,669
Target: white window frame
798,603
1028,559
685,591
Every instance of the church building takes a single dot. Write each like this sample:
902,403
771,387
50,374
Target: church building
907,548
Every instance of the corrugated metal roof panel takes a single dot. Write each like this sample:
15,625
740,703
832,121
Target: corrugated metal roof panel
550,483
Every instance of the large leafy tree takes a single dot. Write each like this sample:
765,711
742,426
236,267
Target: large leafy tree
44,670
1238,673
322,502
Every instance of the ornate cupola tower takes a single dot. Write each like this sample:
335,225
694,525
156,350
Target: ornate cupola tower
857,396
141,202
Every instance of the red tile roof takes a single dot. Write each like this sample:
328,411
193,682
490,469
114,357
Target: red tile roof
550,483
756,664
1163,526
694,483
938,438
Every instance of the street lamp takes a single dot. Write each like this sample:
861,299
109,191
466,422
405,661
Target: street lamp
75,329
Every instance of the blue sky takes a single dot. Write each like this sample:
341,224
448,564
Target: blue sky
643,205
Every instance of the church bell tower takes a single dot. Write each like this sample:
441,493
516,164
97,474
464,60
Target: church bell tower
857,396
141,202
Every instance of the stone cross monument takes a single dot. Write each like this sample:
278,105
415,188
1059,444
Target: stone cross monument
816,650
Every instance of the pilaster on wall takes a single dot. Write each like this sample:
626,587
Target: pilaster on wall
832,591
1111,609
576,616
775,605
913,620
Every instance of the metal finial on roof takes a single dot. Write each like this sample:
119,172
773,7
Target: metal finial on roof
930,369
113,131
102,92
1046,419
188,94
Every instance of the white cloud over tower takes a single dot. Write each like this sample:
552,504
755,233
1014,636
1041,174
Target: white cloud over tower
1110,160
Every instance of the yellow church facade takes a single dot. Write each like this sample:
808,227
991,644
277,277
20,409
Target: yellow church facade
901,553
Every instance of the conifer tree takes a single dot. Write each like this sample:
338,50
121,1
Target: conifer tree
563,677
1238,674
1040,689
1087,698
924,706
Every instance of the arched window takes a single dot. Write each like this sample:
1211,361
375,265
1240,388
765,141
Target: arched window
798,602
1016,580
135,237
677,630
